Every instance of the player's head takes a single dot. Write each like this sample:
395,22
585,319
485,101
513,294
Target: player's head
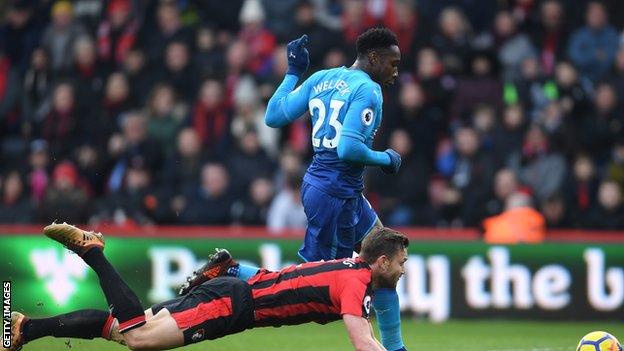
386,251
379,49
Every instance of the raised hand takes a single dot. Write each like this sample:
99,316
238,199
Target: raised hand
298,56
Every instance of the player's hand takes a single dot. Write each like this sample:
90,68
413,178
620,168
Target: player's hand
298,56
395,162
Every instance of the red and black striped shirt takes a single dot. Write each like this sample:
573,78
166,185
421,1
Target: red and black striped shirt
318,292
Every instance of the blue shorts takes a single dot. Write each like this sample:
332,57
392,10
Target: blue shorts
335,225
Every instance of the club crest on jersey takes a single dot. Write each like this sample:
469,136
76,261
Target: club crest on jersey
367,304
367,116
198,335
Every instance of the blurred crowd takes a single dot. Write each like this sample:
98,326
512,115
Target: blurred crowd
151,112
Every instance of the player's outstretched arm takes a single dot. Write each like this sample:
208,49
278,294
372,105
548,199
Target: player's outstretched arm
358,126
287,105
360,333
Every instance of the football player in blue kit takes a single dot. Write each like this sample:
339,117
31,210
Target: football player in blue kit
345,105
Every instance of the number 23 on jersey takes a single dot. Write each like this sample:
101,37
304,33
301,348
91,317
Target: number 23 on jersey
321,130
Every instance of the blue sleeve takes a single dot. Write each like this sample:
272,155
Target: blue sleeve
287,104
578,50
358,124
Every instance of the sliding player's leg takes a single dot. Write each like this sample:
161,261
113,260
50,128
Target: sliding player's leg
386,299
213,309
125,305
160,332
219,264
82,324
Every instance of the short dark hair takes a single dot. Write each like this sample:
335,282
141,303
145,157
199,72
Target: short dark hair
382,241
374,38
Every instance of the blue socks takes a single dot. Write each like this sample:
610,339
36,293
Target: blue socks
386,305
242,271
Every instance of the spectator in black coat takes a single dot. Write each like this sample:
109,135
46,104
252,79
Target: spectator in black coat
254,208
401,194
15,206
211,202
609,212
581,188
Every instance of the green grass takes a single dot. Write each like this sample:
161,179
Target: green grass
462,335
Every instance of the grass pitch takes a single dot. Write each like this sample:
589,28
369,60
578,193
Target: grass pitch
465,335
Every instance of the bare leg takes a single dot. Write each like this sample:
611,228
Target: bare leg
160,332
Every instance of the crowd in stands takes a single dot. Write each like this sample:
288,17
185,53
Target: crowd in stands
152,112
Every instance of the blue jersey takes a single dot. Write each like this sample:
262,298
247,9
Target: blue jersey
345,107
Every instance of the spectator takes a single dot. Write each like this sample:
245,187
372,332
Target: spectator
509,134
10,87
286,210
353,21
37,85
132,147
520,223
472,172
511,45
423,121
211,117
411,28
60,125
484,123
437,86
555,212
482,86
183,167
600,129
88,74
443,207
248,161
178,70
117,33
399,198
249,114
505,184
164,117
260,42
279,16
59,37
453,40
116,101
529,90
224,14
211,202
15,206
138,73
169,29
550,35
322,39
88,161
209,56
38,174
560,130
615,169
64,198
537,165
609,212
572,92
133,204
581,188
592,47
20,34
254,208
